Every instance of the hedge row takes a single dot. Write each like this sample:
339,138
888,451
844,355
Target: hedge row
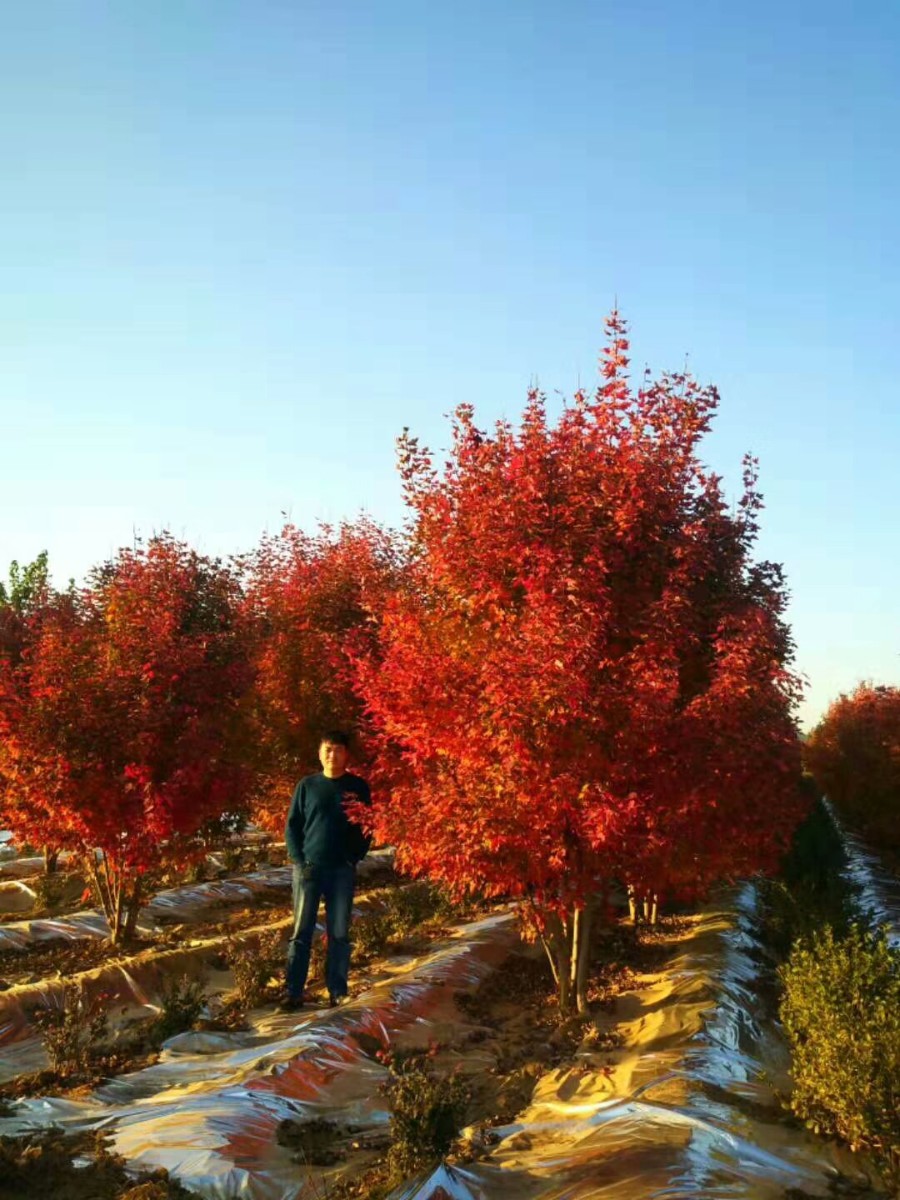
840,1002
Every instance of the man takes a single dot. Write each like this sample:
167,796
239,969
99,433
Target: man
324,844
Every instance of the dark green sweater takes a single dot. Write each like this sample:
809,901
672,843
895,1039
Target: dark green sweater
318,830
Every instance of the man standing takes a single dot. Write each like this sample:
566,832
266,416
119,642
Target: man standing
324,844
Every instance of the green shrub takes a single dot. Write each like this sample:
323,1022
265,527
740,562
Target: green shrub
197,871
314,1142
417,904
841,1013
400,912
50,890
811,892
428,1111
73,1030
371,932
181,1003
817,854
232,859
219,831
253,963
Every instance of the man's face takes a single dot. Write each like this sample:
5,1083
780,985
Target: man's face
333,758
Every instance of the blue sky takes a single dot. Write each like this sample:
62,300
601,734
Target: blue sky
244,242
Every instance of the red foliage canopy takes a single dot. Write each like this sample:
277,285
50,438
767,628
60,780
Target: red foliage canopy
854,754
313,602
118,721
584,675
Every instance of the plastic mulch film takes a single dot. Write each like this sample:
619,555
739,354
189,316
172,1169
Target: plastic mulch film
16,896
130,987
685,1107
20,897
209,1111
13,867
9,848
74,927
187,903
877,888
190,902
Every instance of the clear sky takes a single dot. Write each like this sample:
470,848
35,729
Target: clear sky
244,242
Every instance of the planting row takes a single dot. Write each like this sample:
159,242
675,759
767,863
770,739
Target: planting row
244,1084
27,887
186,904
675,1082
245,963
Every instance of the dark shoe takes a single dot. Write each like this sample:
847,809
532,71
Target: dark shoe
290,1004
336,1001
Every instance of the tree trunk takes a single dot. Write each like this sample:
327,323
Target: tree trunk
577,939
116,925
581,954
133,909
551,958
51,860
116,898
565,986
555,940
92,870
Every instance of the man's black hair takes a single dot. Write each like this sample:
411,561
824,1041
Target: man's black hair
337,737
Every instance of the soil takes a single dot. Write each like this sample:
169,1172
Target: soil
103,1068
519,1020
46,1167
54,960
313,1143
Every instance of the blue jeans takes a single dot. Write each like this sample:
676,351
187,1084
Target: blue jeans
310,884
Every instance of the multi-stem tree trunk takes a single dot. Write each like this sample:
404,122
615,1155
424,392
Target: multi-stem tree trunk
119,892
133,909
650,906
51,859
567,942
555,940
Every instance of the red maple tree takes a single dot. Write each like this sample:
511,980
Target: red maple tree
313,602
27,600
120,724
584,677
854,755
